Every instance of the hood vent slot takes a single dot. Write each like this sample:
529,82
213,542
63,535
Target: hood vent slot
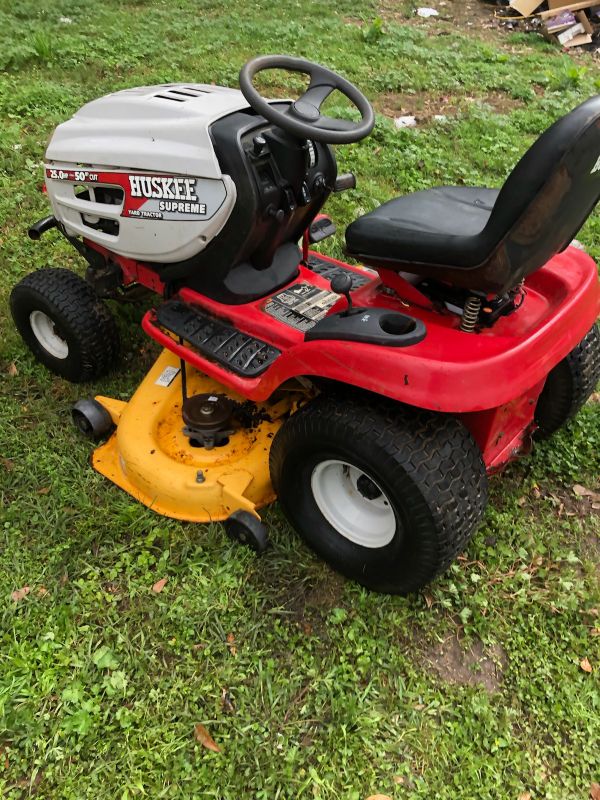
181,95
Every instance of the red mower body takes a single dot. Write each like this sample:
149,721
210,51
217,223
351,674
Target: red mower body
491,378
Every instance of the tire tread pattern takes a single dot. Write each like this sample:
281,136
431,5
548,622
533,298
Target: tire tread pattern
86,316
569,385
437,453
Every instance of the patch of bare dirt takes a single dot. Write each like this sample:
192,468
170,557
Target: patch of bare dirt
425,106
320,597
568,503
472,666
468,16
464,13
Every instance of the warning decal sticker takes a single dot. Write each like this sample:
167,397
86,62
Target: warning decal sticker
167,376
301,306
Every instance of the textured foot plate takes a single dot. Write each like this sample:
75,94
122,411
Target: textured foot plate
243,354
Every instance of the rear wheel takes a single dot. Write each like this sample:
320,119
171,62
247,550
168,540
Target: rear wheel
65,325
569,385
386,495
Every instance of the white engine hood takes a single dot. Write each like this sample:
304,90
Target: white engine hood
152,128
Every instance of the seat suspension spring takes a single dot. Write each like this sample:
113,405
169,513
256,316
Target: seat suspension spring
470,314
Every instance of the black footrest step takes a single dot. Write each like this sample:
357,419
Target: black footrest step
217,340
328,270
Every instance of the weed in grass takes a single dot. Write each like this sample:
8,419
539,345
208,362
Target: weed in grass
43,46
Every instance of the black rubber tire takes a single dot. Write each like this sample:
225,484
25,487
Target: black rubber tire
569,385
428,466
244,528
91,418
80,317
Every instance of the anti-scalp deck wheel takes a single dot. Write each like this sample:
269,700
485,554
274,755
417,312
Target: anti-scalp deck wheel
388,496
245,528
91,418
65,325
569,385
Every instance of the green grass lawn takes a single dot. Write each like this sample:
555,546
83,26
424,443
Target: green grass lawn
311,686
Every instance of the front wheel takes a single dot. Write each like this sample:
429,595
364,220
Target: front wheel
65,325
388,496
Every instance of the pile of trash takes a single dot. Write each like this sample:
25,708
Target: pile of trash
566,24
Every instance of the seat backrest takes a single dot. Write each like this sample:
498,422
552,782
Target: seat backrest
548,196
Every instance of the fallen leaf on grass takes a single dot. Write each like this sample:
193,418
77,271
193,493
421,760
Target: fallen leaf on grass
159,585
582,491
595,791
43,490
19,594
379,797
231,644
8,464
203,736
525,796
585,665
42,591
595,631
12,369
227,702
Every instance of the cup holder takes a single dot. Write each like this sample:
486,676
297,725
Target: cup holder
371,326
397,324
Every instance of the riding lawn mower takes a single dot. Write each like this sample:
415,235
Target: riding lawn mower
373,399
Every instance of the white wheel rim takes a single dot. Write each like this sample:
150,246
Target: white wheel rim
45,332
365,520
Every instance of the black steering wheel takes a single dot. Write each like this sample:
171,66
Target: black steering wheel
303,118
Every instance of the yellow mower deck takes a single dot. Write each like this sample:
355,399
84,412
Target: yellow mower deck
151,458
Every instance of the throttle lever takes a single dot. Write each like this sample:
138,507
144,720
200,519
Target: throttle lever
341,283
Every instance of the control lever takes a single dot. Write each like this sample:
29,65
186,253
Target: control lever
342,284
347,180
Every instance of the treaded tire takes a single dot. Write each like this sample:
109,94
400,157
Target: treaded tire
80,318
427,465
569,385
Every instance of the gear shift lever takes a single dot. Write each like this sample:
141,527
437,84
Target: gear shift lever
342,284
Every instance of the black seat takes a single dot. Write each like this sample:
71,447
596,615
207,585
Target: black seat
488,239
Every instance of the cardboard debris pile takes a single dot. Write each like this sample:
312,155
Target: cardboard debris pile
567,24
